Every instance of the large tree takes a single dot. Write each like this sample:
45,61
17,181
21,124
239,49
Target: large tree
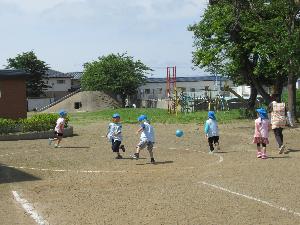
119,74
248,41
29,62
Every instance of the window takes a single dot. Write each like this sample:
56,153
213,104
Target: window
147,91
159,90
192,90
61,81
206,88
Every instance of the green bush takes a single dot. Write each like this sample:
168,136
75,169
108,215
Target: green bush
8,126
39,122
285,99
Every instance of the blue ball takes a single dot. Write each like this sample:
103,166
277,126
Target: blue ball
179,133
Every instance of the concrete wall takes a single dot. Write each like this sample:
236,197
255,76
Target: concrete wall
37,103
90,101
13,103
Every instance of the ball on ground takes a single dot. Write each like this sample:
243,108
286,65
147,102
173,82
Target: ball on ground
179,133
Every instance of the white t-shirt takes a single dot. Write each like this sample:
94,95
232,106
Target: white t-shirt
115,132
60,123
148,132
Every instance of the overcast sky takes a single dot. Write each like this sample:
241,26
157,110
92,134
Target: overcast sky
67,33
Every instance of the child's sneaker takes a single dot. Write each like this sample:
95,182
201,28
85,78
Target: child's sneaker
210,152
57,146
50,141
119,157
135,156
152,161
281,149
258,154
264,156
122,147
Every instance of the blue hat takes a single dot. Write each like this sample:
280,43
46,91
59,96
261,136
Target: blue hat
62,112
262,113
211,115
116,115
142,117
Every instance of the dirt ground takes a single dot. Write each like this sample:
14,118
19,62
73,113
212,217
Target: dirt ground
82,183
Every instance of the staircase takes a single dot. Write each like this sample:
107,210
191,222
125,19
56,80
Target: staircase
58,101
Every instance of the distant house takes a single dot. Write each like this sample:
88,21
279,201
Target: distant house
59,84
75,80
13,101
298,84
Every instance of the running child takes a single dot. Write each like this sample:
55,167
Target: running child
146,139
212,132
114,135
59,129
261,133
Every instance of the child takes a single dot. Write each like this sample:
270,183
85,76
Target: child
212,132
59,129
114,135
146,139
261,133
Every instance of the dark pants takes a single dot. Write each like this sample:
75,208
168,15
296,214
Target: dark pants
278,136
115,145
211,141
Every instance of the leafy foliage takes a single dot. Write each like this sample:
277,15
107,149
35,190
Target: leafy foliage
39,122
115,73
249,41
28,62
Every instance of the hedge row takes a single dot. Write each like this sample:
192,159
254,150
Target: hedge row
40,122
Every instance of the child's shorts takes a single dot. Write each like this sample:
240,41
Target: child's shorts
143,144
56,134
115,145
214,139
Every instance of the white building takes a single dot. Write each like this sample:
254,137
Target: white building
202,86
298,84
59,84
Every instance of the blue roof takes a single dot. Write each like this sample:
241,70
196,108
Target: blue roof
75,75
11,73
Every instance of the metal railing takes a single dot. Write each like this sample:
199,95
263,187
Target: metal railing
58,101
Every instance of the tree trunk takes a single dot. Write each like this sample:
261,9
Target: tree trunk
292,97
123,98
252,99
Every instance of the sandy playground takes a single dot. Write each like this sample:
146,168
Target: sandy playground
82,183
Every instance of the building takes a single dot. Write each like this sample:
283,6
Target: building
59,84
13,101
201,86
75,80
298,84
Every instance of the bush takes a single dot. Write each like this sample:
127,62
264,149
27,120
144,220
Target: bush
8,126
39,122
247,113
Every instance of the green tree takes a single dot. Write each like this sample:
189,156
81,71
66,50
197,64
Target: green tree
28,62
115,73
248,41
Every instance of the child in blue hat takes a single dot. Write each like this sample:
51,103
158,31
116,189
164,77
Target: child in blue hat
212,132
261,133
147,138
114,135
59,129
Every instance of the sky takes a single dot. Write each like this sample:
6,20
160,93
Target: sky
68,33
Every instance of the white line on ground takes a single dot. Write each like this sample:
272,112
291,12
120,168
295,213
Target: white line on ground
251,198
76,171
14,153
29,209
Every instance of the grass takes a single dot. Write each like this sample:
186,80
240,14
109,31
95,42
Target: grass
155,115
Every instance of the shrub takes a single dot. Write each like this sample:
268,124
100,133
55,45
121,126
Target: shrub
8,126
39,122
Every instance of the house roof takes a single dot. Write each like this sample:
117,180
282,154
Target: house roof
78,75
10,73
75,75
56,74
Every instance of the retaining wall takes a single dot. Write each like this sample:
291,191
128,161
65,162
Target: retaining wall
68,132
